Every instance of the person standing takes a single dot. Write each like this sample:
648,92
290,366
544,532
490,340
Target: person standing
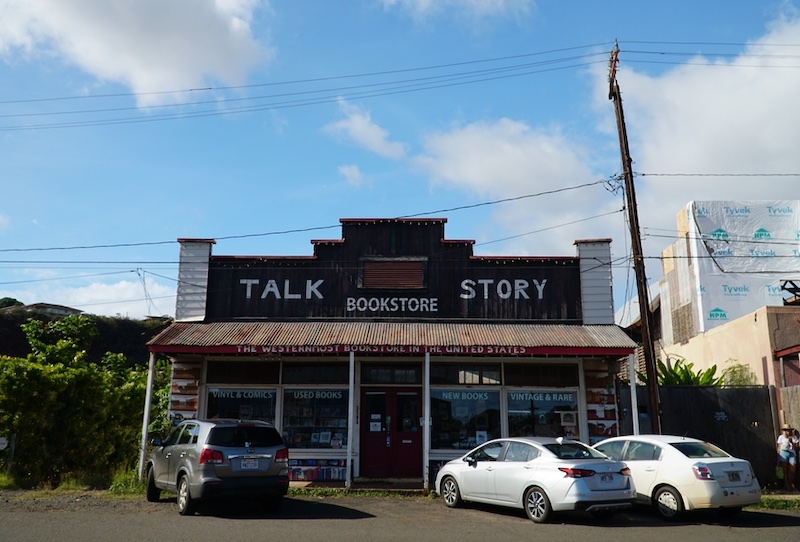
787,446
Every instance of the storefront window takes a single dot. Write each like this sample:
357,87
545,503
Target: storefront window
391,373
316,373
483,374
543,413
463,419
236,372
241,403
315,418
551,375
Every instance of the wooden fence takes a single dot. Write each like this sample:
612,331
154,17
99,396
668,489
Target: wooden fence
742,420
790,405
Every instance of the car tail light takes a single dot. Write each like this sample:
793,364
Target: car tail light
702,472
625,472
211,456
282,455
576,473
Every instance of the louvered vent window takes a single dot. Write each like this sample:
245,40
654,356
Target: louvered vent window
393,274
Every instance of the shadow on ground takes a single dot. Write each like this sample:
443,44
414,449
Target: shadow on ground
642,516
291,509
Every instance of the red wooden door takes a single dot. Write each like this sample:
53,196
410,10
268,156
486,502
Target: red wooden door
391,438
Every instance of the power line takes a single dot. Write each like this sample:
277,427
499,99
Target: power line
552,227
355,91
310,80
717,174
716,43
68,278
305,230
729,240
337,90
172,263
281,105
413,69
297,99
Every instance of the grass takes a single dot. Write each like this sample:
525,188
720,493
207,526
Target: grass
127,483
6,482
776,502
320,492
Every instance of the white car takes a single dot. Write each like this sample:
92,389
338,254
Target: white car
675,474
540,475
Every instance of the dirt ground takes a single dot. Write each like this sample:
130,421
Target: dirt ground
43,501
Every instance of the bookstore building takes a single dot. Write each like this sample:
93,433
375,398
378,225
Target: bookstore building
393,349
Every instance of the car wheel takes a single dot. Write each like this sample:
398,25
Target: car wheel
668,503
537,505
153,493
450,492
186,505
274,504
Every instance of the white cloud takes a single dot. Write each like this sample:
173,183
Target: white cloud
124,297
472,8
357,126
711,117
503,158
353,174
147,45
508,159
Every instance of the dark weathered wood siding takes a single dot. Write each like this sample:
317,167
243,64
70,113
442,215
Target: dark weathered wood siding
330,283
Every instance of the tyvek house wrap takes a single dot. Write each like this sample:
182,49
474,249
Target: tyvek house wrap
742,250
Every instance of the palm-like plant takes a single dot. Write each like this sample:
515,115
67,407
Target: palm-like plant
681,373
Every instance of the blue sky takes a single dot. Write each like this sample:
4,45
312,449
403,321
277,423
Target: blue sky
127,125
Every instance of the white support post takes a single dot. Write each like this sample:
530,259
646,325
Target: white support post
148,399
348,481
634,399
426,419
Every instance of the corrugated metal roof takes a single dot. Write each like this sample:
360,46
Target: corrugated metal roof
221,337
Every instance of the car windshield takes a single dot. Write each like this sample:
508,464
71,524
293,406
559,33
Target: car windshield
238,436
573,450
698,449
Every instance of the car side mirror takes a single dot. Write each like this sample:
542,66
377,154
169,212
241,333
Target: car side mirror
471,460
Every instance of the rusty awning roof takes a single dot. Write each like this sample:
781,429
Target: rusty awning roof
252,338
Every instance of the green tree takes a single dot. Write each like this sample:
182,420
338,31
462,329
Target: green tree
739,374
61,341
160,422
10,302
71,417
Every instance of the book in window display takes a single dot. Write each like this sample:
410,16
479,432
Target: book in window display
601,408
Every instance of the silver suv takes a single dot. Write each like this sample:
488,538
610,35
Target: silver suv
219,459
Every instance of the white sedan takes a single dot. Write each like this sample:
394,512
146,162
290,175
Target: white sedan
540,475
675,474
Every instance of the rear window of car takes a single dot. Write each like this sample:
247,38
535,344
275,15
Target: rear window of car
238,436
573,450
698,449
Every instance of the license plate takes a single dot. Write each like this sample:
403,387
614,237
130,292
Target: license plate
248,463
606,477
734,477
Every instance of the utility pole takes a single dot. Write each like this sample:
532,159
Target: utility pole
636,247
